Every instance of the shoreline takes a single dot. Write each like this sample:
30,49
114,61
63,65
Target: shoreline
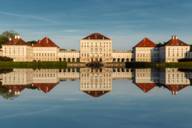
33,65
186,65
56,65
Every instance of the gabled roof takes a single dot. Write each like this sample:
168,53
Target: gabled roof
15,88
16,41
174,41
146,87
96,36
96,93
45,42
45,87
146,43
175,88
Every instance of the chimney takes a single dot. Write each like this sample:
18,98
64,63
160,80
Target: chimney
174,92
17,37
47,40
174,37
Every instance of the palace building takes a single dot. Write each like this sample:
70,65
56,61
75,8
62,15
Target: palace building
122,56
145,51
69,55
173,50
96,48
45,50
17,49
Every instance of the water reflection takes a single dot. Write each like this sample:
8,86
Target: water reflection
170,78
96,82
93,82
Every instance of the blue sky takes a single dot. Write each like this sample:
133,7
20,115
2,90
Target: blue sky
125,21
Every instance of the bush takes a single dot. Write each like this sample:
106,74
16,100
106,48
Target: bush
3,58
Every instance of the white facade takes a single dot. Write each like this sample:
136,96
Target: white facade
22,53
174,50
122,56
45,54
45,50
145,51
96,48
144,54
173,53
69,55
18,50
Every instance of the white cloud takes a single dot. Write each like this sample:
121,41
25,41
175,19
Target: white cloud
39,18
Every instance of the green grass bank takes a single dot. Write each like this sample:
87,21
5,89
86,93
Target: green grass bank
34,65
187,65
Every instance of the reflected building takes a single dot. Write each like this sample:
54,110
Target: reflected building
45,79
69,74
143,78
17,80
174,80
18,77
122,73
96,82
169,78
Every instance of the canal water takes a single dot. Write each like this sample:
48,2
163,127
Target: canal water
106,97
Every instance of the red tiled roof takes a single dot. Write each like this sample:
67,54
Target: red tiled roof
16,41
15,88
96,93
45,87
96,36
146,87
45,42
175,88
146,43
174,41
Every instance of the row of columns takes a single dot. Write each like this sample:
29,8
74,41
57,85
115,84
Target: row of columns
99,60
121,60
69,59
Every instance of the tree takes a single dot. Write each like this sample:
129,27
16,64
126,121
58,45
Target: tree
32,42
160,44
10,34
73,50
3,40
4,37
